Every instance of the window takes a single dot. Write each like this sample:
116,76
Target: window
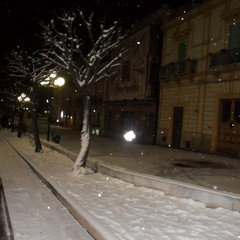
126,67
234,36
182,51
181,58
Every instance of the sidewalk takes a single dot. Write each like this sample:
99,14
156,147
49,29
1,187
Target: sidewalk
211,171
33,210
114,209
211,179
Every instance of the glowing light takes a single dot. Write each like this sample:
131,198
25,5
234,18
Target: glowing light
129,136
59,81
23,98
97,131
52,81
53,75
44,83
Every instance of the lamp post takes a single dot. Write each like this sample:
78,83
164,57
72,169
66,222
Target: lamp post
49,101
22,99
52,82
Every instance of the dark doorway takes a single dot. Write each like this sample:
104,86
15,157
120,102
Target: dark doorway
177,127
229,127
127,121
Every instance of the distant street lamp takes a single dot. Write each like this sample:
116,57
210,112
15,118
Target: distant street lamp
22,99
52,82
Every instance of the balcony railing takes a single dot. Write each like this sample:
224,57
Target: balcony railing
179,69
225,57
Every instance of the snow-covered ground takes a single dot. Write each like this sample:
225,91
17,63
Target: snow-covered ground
35,214
131,213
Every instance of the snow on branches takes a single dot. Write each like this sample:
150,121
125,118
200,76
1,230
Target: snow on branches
87,52
27,66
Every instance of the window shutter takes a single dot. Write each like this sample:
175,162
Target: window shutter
182,51
234,36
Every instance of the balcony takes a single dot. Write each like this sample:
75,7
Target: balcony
225,57
177,70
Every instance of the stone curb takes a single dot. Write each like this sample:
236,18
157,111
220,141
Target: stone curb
212,198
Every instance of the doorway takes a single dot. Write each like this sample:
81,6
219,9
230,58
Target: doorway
177,127
127,121
229,127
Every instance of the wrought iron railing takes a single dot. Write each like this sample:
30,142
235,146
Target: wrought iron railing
225,57
188,67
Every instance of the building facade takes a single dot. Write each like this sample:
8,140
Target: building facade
131,97
199,107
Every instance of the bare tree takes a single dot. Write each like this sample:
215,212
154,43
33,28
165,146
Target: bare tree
89,53
10,95
29,70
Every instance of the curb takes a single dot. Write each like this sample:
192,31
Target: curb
211,198
9,228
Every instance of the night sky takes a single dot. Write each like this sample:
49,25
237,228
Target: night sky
19,19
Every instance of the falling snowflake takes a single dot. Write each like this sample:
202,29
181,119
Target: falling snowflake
100,194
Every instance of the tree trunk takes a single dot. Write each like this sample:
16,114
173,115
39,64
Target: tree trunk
34,113
85,134
20,123
12,119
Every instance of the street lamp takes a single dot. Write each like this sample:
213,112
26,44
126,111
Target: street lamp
52,82
22,99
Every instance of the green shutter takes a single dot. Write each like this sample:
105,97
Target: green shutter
234,36
182,51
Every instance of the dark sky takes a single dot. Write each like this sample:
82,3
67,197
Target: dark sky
19,19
